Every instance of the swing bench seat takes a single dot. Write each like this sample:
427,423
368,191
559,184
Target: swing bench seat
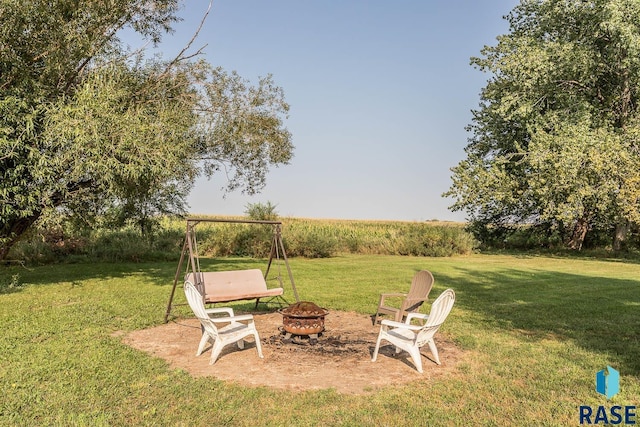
226,286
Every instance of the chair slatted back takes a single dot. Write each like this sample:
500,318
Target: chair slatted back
194,298
420,287
440,309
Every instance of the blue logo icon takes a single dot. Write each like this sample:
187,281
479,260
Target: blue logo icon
608,383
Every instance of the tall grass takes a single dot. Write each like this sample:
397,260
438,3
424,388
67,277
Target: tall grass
533,331
378,237
311,238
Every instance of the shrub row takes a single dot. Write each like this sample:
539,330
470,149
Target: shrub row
329,237
302,237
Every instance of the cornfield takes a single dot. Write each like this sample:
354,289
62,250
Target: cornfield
311,238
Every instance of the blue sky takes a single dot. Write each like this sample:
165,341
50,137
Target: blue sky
380,94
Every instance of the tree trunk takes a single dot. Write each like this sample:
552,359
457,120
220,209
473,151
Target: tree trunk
622,229
12,230
579,232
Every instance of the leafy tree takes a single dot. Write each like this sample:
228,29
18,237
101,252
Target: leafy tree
261,211
87,126
555,139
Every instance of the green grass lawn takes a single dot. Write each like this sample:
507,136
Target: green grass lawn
534,331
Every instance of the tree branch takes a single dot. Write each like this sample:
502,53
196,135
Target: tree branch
181,55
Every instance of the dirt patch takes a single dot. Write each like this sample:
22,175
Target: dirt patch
341,359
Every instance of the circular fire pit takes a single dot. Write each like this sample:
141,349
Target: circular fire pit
303,318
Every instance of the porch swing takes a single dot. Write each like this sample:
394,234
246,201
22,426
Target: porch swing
234,285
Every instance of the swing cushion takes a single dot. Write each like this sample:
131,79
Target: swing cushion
224,286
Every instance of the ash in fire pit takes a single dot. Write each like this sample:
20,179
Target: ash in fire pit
303,318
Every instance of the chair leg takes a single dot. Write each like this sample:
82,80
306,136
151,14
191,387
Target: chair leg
416,357
241,344
434,350
258,345
215,352
375,351
203,343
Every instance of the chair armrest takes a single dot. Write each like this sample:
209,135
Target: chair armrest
227,310
415,316
393,294
242,317
395,324
413,302
390,295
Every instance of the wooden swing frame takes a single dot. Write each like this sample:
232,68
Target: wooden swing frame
189,249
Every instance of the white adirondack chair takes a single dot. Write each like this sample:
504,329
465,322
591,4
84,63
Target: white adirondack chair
408,337
234,332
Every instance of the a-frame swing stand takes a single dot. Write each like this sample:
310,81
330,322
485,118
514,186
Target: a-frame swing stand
190,250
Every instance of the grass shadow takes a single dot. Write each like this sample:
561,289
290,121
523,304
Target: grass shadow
10,284
156,273
598,313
